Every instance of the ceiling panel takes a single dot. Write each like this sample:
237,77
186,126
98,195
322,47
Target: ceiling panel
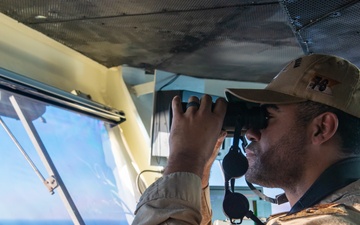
232,40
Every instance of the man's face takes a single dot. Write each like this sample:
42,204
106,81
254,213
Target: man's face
277,154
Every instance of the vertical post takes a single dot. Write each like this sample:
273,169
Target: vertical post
49,165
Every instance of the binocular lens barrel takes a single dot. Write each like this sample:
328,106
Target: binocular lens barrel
240,113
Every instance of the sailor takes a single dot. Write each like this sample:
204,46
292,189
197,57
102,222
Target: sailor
309,148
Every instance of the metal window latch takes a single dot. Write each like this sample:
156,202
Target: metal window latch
51,184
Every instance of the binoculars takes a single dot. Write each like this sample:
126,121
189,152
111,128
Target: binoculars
242,114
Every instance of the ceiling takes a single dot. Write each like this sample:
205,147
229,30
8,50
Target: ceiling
232,40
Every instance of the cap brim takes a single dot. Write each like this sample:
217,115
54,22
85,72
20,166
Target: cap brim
260,96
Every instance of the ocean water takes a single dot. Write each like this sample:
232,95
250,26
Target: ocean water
61,222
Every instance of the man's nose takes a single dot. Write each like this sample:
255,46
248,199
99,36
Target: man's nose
253,134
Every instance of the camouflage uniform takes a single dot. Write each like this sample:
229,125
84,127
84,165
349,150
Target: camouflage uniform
176,199
340,208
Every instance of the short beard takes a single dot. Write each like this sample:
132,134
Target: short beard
282,164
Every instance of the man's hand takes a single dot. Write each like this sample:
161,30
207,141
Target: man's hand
194,134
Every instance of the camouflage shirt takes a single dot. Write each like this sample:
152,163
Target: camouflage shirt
176,199
340,208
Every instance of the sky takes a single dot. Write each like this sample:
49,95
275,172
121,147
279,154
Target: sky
75,144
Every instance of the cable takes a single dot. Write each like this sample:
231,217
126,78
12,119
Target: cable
144,171
176,76
163,11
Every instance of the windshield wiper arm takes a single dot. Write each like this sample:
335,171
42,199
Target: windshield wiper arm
48,163
50,182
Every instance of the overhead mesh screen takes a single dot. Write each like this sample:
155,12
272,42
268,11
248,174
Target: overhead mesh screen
333,28
247,41
236,40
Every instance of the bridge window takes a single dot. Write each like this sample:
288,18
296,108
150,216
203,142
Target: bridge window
58,166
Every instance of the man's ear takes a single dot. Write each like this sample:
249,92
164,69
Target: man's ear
323,127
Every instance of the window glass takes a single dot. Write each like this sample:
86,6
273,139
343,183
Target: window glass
80,149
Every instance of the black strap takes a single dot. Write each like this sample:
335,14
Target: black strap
333,178
279,199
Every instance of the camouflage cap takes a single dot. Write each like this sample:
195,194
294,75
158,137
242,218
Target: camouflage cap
326,79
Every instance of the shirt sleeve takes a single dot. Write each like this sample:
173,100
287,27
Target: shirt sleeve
172,199
206,211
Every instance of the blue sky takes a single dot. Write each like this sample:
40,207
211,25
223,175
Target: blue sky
75,143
